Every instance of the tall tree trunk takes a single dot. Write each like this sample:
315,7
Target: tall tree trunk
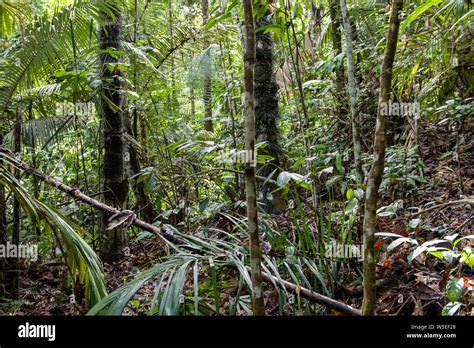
112,102
3,235
14,271
266,114
351,77
174,98
238,24
376,172
250,180
192,97
207,91
335,13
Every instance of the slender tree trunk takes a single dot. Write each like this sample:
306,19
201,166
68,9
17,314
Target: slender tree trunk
335,13
376,172
174,98
14,276
192,101
3,234
297,65
266,114
238,24
207,91
144,205
250,180
229,100
192,97
351,77
115,181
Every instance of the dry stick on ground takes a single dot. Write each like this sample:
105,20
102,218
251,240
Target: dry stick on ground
308,294
313,296
376,172
442,205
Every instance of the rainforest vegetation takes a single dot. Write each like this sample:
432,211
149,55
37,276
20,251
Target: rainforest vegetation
236,157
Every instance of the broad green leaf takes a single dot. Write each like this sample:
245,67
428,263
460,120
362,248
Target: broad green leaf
399,241
150,185
349,194
454,289
415,253
451,308
414,223
418,12
351,205
283,178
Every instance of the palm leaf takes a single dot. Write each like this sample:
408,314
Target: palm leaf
47,44
168,301
41,131
83,264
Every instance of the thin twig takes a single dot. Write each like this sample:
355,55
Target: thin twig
461,201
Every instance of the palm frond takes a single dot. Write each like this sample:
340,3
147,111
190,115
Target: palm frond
167,301
84,266
11,14
47,45
42,130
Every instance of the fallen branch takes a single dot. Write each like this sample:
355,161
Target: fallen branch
74,192
461,201
313,296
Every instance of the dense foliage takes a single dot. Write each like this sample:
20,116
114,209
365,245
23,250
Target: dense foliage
141,105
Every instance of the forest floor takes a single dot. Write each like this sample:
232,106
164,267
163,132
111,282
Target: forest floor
403,288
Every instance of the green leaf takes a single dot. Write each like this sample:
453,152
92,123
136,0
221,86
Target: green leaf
467,257
283,178
135,304
351,205
388,210
297,10
454,289
273,28
415,253
132,95
349,194
339,165
414,223
359,194
451,308
437,254
471,236
204,204
399,241
417,13
150,185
